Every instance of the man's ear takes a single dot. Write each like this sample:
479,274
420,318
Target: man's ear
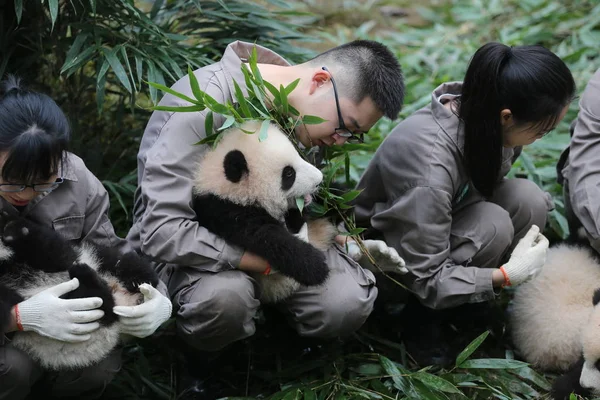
319,78
506,117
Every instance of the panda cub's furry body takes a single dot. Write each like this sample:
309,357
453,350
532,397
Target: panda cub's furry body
34,258
245,187
554,321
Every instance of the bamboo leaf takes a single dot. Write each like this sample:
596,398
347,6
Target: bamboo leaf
194,108
264,130
283,100
53,5
19,10
471,347
117,67
74,50
241,100
174,93
435,382
300,203
312,120
400,381
289,88
228,122
208,124
198,94
492,363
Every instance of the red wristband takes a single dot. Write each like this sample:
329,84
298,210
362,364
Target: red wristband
18,318
506,278
267,271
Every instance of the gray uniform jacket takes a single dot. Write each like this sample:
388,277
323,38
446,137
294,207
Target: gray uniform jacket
410,189
582,170
164,226
77,209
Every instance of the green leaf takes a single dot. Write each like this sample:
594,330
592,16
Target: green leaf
471,347
347,168
492,363
532,376
264,128
117,67
53,5
348,197
253,61
19,10
74,50
283,100
228,122
215,106
139,69
174,93
241,100
198,94
435,382
368,369
400,381
300,203
289,88
312,120
208,124
78,60
179,108
310,394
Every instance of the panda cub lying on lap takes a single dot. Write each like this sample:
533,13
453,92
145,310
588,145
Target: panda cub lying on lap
244,189
34,258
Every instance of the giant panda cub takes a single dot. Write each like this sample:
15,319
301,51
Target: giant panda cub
554,322
34,258
244,189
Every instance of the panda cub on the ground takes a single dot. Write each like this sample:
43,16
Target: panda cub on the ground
554,323
34,258
244,189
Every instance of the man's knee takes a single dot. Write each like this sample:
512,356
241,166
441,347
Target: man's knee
339,308
217,310
16,373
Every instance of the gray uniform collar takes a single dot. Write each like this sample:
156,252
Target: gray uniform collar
239,52
445,118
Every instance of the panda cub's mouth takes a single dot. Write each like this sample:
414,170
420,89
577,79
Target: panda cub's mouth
307,199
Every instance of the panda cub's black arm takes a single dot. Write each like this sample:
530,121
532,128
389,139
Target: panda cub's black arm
253,229
8,298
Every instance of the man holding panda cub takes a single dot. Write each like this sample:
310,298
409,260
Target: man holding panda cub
214,299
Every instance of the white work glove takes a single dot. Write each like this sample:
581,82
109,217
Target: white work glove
527,259
385,257
68,320
144,319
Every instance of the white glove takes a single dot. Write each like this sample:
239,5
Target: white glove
385,257
527,259
144,319
68,320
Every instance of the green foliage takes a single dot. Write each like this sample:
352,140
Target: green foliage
94,57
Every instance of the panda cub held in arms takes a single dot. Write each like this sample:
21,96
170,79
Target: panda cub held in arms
555,319
34,258
244,189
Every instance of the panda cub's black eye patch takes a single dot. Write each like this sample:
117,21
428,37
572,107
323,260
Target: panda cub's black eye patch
288,177
235,165
597,365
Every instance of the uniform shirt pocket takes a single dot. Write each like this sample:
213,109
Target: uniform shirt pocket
71,228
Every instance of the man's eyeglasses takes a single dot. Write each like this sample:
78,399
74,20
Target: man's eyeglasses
342,131
37,187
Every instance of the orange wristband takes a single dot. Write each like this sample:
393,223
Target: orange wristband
267,271
506,278
18,318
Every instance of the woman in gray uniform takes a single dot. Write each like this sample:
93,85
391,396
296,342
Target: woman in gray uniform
436,188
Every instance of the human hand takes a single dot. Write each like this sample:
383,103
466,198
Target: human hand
527,259
385,257
68,320
144,319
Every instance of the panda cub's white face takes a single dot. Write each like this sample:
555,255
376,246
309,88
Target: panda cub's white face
590,374
244,170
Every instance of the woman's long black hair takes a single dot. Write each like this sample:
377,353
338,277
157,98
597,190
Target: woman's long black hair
34,133
531,81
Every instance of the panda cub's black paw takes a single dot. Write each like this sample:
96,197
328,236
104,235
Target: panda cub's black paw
310,269
14,229
133,270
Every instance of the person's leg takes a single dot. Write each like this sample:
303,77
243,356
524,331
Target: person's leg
18,373
526,204
572,220
86,383
211,310
338,307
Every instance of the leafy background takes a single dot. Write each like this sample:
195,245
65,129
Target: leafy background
94,56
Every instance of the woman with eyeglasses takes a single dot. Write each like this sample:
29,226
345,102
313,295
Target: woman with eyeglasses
40,180
436,189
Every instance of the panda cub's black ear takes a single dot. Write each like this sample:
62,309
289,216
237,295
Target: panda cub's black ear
235,165
596,298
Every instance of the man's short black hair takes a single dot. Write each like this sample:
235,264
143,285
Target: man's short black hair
366,68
